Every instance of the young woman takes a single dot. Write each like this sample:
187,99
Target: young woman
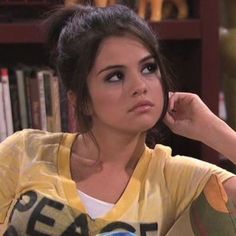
104,178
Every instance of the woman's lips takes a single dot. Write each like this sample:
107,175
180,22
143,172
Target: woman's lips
142,106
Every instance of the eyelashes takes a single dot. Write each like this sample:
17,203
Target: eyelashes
119,75
115,77
150,68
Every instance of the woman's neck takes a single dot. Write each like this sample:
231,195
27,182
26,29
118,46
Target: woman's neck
110,148
94,163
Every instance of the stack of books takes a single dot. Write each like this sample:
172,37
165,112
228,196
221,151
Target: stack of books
32,97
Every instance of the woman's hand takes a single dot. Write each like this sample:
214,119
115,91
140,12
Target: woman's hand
188,116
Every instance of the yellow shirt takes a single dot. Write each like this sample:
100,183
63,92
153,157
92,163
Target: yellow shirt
38,196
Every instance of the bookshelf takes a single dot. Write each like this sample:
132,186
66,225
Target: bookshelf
21,33
191,45
32,31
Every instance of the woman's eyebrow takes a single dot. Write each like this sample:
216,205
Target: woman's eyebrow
110,67
148,57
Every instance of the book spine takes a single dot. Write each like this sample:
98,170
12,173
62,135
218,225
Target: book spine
3,130
27,77
14,101
47,75
35,103
22,98
7,100
56,104
43,117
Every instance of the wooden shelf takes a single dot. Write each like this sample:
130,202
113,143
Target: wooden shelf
177,29
29,3
21,33
33,32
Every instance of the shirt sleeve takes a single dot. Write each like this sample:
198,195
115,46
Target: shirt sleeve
186,178
10,155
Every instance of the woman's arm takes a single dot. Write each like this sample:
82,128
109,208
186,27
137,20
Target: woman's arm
230,188
1,229
190,117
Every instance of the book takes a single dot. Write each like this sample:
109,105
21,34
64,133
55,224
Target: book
43,117
52,100
3,130
19,72
28,71
56,109
48,90
35,101
7,100
14,100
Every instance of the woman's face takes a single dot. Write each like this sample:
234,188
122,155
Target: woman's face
125,87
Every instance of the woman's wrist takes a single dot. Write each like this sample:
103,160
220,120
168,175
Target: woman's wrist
222,138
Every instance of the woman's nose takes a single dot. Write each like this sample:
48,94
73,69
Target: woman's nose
139,87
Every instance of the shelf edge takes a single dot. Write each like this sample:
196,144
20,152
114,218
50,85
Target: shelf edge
33,32
177,29
22,33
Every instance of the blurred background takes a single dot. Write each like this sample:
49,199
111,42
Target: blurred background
198,38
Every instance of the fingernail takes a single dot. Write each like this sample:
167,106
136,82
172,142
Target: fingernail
170,94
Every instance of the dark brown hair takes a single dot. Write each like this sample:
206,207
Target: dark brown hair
75,34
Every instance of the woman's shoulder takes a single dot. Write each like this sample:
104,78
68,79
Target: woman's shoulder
186,166
36,133
36,136
176,163
161,153
29,139
164,153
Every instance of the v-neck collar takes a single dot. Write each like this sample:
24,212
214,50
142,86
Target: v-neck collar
129,195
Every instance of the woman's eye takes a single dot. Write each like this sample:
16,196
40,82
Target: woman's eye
115,77
149,68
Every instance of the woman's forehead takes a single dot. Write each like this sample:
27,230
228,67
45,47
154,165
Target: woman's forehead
121,45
